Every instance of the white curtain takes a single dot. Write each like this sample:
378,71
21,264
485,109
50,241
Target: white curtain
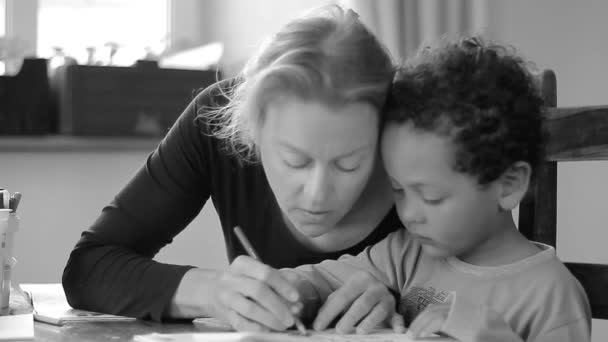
405,24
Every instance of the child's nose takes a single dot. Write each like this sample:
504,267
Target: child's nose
410,213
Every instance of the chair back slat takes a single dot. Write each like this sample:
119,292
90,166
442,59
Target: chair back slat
577,134
538,210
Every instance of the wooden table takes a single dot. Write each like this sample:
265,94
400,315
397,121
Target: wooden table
110,331
126,330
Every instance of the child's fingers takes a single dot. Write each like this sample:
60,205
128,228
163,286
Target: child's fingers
397,323
336,303
419,323
429,321
432,326
361,308
376,316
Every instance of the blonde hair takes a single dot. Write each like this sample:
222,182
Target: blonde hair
327,55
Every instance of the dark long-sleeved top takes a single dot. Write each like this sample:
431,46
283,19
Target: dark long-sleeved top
111,268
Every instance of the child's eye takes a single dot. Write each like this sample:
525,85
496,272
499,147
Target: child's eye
397,191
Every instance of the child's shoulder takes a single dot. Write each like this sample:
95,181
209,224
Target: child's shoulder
551,272
555,296
555,288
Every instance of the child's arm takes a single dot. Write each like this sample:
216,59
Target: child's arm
467,321
360,286
364,302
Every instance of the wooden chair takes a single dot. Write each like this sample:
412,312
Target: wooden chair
574,134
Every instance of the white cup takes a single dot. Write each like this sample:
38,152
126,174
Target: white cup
9,224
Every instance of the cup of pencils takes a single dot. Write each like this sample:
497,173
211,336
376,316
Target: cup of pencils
9,225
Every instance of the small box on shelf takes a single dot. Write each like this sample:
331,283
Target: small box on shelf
124,101
25,100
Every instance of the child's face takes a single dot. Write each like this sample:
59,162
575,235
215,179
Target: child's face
447,211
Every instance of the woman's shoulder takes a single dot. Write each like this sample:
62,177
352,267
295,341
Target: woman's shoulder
216,95
194,130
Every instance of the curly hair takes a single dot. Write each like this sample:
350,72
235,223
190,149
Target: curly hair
480,95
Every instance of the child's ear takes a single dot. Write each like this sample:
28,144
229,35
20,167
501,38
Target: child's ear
513,185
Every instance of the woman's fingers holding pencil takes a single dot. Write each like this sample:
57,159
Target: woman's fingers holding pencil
264,305
270,276
241,323
253,296
243,313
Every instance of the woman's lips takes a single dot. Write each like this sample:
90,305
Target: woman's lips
311,216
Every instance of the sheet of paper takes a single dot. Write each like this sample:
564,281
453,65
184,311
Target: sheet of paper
381,335
213,324
51,306
17,327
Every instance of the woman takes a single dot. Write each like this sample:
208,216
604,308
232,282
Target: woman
288,151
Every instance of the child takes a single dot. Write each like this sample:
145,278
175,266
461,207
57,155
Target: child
462,137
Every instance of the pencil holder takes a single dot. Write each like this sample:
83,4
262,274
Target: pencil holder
9,225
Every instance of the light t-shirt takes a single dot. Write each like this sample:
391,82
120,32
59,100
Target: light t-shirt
534,299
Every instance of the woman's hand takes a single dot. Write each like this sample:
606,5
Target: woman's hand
252,296
366,303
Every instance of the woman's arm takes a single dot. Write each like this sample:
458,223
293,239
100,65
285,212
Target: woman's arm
111,268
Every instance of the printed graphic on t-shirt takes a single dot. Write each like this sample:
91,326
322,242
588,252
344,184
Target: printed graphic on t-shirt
417,299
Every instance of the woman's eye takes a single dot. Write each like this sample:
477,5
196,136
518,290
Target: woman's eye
348,165
347,168
295,162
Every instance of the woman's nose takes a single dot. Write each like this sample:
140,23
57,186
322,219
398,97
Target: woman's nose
318,186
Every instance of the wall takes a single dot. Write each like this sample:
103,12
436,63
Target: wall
568,37
64,192
243,25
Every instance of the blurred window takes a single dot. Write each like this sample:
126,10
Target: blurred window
116,32
2,33
2,17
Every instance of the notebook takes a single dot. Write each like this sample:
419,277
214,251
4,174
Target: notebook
51,306
16,327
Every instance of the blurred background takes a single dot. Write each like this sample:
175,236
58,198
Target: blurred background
100,82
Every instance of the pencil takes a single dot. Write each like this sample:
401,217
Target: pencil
251,252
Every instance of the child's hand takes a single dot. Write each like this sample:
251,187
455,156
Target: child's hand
430,320
309,301
363,299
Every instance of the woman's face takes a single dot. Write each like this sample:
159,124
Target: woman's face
317,158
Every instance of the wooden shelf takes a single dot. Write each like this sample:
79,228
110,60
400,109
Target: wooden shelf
60,143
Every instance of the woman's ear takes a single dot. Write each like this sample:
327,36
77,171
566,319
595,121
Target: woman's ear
513,185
